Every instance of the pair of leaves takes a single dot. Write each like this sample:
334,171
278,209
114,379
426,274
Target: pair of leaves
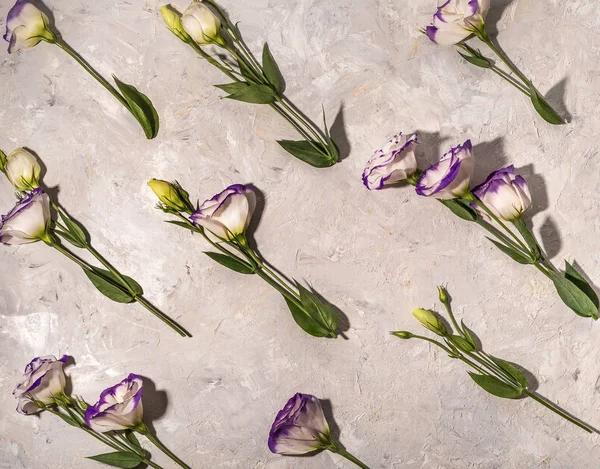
499,388
111,286
254,93
231,262
74,233
123,459
512,253
576,292
460,209
141,107
476,58
543,108
315,316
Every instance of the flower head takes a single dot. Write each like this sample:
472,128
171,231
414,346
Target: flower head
119,407
170,194
228,213
43,380
394,162
430,320
28,221
172,19
451,176
505,193
26,26
456,20
202,24
22,170
300,427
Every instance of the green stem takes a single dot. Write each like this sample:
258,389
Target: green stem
501,236
348,456
554,409
212,61
84,265
64,46
144,431
502,74
260,264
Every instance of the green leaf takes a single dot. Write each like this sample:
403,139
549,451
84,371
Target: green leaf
512,253
74,229
461,343
460,209
245,73
528,237
255,94
272,71
230,262
133,439
183,224
478,61
71,421
468,334
69,237
110,286
511,370
495,386
575,277
573,296
305,321
303,150
319,311
543,108
332,147
234,87
141,107
123,459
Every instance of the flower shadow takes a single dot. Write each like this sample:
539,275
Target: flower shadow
155,403
495,15
489,156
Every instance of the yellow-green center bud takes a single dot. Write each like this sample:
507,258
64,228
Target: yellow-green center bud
430,320
168,194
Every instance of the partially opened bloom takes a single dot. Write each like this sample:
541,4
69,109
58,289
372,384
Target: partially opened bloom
22,170
43,380
300,427
26,26
28,221
430,321
451,176
456,20
201,23
394,162
171,195
119,407
172,19
505,193
228,213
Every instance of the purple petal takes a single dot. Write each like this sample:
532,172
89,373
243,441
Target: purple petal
431,32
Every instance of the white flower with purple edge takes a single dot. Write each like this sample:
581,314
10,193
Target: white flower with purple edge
300,427
119,407
26,26
505,193
201,23
43,380
28,221
394,162
22,170
451,176
456,20
227,214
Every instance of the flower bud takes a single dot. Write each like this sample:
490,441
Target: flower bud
443,294
430,320
173,21
202,25
171,195
22,170
403,334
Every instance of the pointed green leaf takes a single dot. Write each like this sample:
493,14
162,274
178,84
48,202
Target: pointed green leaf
141,107
110,286
245,73
305,321
74,229
69,238
182,224
573,296
528,237
461,343
512,253
255,94
306,152
512,370
230,262
575,277
468,334
460,209
495,386
332,147
272,71
232,88
69,420
321,312
133,439
477,61
543,108
123,459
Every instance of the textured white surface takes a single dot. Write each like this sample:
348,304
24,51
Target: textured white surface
376,255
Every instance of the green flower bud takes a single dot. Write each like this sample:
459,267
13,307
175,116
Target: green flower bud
171,195
443,294
173,21
430,321
402,334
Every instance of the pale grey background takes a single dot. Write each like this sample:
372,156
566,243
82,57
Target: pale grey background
376,255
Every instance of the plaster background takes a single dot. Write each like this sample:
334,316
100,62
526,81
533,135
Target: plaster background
376,255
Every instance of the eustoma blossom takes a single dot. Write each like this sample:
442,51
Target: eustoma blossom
113,420
30,221
27,26
202,25
497,205
457,20
223,221
301,428
494,375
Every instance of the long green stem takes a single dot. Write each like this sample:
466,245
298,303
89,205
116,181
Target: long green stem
348,456
502,74
64,46
163,448
554,409
84,265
